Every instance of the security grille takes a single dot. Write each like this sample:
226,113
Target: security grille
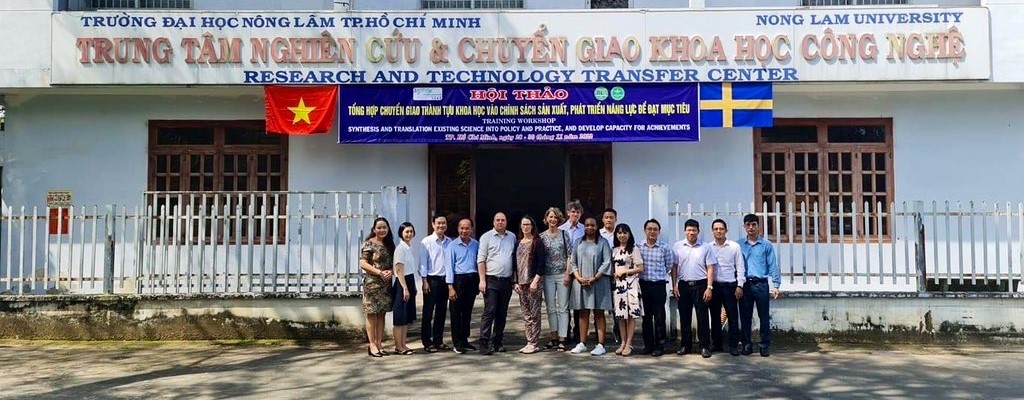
470,4
609,3
818,3
90,5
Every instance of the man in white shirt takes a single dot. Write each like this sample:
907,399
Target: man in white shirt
730,275
693,276
435,289
495,261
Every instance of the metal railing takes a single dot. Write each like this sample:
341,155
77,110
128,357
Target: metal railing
895,247
194,242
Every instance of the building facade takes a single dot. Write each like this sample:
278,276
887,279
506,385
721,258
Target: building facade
927,109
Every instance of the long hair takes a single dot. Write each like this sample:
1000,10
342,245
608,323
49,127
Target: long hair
533,223
629,243
389,240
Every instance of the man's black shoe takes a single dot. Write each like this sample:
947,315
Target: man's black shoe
468,346
645,351
657,353
443,347
705,352
459,350
499,348
747,349
430,349
683,351
765,352
718,349
734,351
486,350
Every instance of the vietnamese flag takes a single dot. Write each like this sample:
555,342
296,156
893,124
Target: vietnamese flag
300,110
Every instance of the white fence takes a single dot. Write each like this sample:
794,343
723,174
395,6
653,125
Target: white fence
181,242
895,247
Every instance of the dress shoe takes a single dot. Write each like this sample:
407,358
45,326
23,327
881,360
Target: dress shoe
645,351
468,346
486,350
734,351
765,352
683,351
657,353
718,349
747,349
705,352
372,354
460,350
499,348
430,349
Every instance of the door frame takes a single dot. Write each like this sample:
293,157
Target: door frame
433,150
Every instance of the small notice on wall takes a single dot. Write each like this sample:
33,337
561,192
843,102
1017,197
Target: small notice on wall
58,202
58,198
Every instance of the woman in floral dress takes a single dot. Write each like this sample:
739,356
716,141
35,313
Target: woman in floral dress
375,259
627,265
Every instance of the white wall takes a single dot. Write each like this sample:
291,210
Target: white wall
25,58
1007,44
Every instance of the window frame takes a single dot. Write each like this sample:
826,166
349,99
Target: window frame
810,3
218,150
473,5
822,148
590,6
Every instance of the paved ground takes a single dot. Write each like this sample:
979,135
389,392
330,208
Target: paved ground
76,370
191,370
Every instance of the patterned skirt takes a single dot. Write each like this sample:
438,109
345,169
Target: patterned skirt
376,295
627,298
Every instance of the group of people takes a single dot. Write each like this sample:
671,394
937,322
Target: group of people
570,265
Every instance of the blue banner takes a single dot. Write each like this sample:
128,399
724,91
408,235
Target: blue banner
519,113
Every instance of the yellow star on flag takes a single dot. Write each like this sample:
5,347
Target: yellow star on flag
301,112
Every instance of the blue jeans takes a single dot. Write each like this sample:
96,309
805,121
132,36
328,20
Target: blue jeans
755,293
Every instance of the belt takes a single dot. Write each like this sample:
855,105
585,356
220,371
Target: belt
504,278
754,279
468,274
733,283
695,283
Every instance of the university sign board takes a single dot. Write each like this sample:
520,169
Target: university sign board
521,47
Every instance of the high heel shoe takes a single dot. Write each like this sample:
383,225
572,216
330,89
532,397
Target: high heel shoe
372,354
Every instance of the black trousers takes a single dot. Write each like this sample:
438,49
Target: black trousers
466,288
724,295
435,306
653,296
615,321
496,298
691,297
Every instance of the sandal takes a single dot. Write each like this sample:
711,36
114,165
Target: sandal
561,347
405,352
551,344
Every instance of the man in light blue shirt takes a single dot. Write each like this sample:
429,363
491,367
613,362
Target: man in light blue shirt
462,278
435,290
572,225
761,264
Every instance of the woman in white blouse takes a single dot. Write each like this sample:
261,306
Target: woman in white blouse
404,312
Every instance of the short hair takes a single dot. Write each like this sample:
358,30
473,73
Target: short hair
721,221
691,222
438,215
557,212
751,218
610,210
403,227
652,221
466,219
574,205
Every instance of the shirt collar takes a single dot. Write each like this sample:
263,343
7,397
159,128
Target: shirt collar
696,244
656,244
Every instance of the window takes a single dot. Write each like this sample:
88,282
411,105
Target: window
842,163
91,5
470,4
207,157
817,3
609,3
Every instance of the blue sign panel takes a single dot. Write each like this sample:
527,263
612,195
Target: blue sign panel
520,113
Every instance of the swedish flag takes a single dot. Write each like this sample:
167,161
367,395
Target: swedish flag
727,104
